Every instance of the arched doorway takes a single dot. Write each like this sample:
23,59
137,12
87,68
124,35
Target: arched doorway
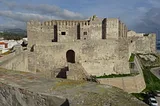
70,56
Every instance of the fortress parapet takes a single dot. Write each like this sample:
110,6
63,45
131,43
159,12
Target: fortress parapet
74,30
98,45
141,42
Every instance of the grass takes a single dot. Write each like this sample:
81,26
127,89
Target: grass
116,75
67,83
131,59
140,96
152,82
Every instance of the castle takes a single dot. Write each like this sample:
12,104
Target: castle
77,48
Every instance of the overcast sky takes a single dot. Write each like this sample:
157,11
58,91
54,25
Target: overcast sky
138,15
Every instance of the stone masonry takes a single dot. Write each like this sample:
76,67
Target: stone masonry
99,46
141,42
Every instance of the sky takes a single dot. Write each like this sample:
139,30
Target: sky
138,15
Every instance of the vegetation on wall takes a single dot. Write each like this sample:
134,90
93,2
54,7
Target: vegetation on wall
140,96
131,59
116,75
147,34
149,63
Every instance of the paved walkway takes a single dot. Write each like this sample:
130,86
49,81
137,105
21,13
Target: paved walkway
156,72
158,100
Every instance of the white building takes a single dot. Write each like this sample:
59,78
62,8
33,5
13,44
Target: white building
3,47
12,43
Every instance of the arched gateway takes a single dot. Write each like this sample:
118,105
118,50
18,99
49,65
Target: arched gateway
70,56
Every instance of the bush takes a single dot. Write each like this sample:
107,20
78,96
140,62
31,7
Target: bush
11,36
131,59
140,96
116,75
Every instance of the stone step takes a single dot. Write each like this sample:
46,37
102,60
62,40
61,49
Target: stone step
76,70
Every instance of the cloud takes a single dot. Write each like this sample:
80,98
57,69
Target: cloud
142,9
12,25
45,9
10,4
19,19
139,15
150,22
41,12
24,17
53,10
154,3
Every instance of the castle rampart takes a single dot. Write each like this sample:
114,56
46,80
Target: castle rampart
100,46
141,42
74,30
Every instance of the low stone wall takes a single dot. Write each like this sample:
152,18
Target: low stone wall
15,96
28,89
15,61
132,84
6,57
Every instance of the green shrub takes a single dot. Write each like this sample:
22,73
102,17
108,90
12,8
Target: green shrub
131,59
140,96
116,75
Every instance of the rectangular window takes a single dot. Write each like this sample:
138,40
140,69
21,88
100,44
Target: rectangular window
63,33
78,32
84,33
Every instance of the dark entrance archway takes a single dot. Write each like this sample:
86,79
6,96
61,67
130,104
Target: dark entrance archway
70,56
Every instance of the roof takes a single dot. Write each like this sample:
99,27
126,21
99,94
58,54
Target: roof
3,43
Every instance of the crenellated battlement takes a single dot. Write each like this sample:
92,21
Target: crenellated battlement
59,23
33,23
93,28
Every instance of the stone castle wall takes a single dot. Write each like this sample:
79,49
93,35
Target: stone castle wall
134,84
93,29
100,45
15,61
131,84
141,43
95,57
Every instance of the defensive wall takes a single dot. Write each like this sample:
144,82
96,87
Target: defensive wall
100,45
74,30
15,61
131,84
141,42
95,57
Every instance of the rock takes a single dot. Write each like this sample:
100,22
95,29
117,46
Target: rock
26,89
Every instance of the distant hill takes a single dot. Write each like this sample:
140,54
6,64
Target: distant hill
13,34
17,31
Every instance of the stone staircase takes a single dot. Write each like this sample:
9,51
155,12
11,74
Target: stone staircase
77,72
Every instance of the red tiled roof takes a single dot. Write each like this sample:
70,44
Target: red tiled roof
3,43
